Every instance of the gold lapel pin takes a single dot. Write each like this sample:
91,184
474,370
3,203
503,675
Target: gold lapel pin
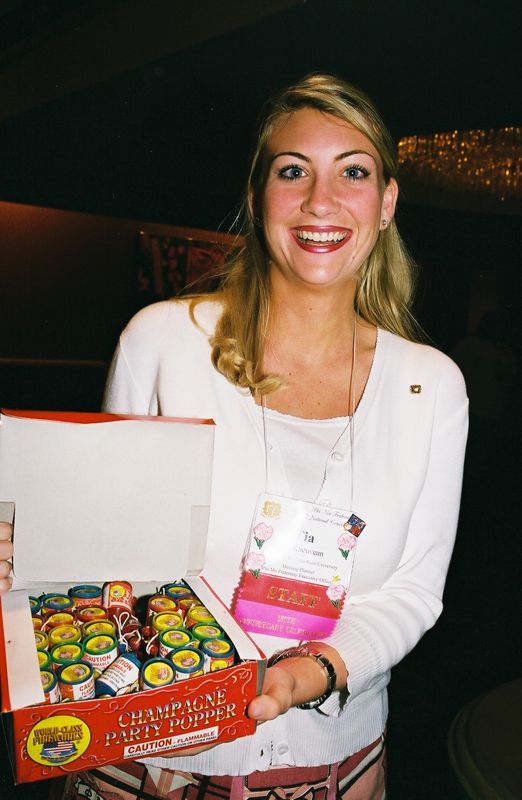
415,388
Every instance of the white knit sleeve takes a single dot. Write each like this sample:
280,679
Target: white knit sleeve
380,628
132,379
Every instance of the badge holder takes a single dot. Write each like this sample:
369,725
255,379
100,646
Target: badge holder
296,568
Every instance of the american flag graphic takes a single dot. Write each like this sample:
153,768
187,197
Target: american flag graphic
58,750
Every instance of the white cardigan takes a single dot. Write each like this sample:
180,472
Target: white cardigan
409,452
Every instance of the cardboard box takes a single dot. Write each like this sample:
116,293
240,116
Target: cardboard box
97,498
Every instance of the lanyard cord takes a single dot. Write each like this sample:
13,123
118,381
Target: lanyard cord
263,407
349,425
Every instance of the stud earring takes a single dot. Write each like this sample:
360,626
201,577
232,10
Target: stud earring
384,223
257,222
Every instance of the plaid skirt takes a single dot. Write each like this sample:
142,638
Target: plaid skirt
359,777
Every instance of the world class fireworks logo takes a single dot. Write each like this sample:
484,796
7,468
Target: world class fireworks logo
58,740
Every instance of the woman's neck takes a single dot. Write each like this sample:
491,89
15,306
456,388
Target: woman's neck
310,323
309,344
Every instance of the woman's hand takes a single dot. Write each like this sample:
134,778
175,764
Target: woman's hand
6,552
277,696
293,681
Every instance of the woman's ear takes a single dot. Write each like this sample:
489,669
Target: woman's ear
389,200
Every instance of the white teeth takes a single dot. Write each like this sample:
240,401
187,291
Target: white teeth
315,236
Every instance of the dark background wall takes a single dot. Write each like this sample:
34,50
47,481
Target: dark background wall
146,112
119,113
168,139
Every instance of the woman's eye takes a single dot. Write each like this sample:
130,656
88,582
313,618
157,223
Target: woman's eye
291,173
356,173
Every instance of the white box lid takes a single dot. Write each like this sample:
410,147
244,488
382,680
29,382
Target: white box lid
103,497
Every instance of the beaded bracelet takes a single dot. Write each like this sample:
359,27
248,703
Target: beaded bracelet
325,664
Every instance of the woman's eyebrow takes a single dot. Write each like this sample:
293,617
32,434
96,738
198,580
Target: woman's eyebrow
340,157
349,153
289,153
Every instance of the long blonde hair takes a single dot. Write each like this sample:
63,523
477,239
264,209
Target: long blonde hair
385,287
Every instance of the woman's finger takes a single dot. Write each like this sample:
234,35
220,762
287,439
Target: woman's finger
269,706
6,530
6,550
6,545
5,569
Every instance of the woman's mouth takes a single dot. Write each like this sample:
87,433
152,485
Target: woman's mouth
321,240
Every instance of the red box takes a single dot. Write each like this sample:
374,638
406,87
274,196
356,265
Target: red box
47,741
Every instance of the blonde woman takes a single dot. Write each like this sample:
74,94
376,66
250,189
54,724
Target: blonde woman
307,361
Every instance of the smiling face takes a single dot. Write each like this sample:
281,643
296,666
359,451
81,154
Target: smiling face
324,200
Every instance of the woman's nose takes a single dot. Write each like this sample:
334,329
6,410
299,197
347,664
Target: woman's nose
321,199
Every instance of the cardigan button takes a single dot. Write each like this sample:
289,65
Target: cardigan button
337,456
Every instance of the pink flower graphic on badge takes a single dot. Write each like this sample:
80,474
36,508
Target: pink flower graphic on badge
345,543
262,532
335,594
254,562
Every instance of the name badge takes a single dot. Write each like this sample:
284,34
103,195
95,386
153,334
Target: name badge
296,568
